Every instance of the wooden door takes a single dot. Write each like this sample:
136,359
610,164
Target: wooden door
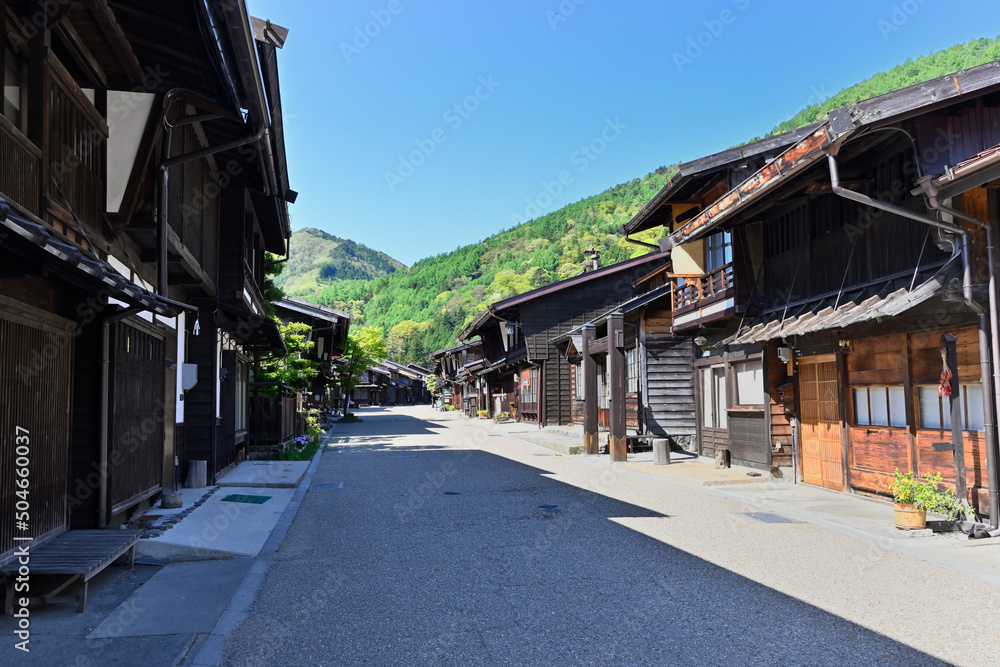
822,449
135,447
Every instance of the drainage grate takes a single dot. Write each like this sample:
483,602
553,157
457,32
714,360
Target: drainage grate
244,498
327,485
146,560
451,493
767,517
549,508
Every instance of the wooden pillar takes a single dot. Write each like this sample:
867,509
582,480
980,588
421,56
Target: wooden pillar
616,387
588,367
951,357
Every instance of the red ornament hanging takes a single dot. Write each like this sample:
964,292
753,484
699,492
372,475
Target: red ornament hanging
944,386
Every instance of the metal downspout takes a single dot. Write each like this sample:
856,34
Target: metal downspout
102,510
884,206
989,351
638,242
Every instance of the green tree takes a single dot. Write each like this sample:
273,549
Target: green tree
291,368
364,349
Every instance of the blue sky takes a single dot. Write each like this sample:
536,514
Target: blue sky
417,127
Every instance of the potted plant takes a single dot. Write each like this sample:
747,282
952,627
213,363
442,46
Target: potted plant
914,495
483,414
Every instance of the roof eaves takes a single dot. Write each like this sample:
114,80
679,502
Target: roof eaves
602,272
793,161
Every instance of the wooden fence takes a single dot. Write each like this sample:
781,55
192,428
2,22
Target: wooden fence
272,421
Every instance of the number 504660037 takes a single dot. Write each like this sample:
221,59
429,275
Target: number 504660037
18,430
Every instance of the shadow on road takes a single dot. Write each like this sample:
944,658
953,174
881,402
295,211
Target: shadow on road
473,558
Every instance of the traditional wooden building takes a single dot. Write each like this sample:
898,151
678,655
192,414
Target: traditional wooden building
408,385
656,383
372,389
521,336
854,278
124,155
705,285
329,332
456,368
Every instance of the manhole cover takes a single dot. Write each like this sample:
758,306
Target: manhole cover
244,498
451,493
328,485
767,517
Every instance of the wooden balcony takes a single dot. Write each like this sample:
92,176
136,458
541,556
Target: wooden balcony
701,298
77,138
20,168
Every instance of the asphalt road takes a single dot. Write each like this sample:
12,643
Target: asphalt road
427,540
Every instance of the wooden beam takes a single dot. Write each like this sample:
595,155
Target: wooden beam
81,53
845,435
189,263
911,418
116,38
951,356
617,443
588,366
140,168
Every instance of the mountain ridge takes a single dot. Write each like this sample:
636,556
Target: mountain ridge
317,258
423,307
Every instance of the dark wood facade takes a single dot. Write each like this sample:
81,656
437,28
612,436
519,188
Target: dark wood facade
823,286
105,269
544,315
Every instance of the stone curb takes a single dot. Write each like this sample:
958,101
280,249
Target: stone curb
209,650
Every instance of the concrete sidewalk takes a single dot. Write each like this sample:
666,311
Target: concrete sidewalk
196,568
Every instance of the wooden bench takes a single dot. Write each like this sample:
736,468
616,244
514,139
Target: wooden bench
80,555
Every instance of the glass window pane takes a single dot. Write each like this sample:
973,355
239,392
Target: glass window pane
897,406
861,415
879,403
719,375
930,408
749,383
973,395
707,405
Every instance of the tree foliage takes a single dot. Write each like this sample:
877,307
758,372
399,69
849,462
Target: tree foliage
291,368
433,300
365,347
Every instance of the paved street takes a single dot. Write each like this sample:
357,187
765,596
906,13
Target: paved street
427,539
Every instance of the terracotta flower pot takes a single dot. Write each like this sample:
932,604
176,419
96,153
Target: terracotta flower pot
909,517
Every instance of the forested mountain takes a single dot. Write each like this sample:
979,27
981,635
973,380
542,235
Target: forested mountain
924,68
422,308
317,259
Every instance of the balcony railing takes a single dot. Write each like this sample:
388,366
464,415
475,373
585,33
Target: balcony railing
76,149
20,167
698,291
